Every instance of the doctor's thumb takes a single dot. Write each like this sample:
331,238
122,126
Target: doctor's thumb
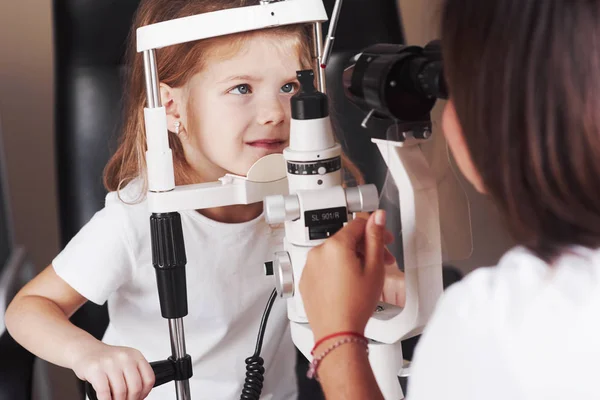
375,241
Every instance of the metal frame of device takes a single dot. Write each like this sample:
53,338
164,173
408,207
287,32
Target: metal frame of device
165,198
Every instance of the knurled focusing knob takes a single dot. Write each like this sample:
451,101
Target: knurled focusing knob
284,274
363,198
279,209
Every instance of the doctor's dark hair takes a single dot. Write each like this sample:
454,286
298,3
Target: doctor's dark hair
176,65
524,77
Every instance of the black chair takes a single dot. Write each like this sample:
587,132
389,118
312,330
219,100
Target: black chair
15,270
89,43
89,46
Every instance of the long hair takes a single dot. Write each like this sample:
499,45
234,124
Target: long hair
524,77
175,66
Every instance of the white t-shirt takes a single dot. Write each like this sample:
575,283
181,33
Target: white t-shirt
520,331
227,290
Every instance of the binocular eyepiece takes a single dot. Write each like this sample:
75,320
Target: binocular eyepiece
397,81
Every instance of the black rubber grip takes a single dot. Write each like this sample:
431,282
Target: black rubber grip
172,370
169,259
165,371
168,248
172,292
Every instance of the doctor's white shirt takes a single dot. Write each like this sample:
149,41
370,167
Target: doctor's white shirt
520,330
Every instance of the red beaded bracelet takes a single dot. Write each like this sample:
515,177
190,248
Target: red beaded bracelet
348,333
316,362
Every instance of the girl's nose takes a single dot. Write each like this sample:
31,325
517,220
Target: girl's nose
271,112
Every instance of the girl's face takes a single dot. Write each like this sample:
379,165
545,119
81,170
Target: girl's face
237,109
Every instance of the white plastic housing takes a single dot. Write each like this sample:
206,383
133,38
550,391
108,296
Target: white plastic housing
312,141
421,240
311,134
159,157
297,242
295,303
296,231
225,22
230,190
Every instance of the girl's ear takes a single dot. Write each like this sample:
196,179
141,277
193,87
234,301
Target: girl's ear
171,100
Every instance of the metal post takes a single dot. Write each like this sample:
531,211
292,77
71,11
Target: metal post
151,74
318,55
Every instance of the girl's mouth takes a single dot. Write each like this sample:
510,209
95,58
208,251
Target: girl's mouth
270,144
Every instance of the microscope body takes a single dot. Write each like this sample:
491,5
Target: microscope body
318,206
313,214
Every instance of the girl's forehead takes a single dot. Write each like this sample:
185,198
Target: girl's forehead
257,55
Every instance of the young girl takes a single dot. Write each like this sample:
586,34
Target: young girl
227,102
523,122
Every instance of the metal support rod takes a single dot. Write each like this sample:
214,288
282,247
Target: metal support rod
182,390
176,331
335,16
318,54
151,74
178,350
177,337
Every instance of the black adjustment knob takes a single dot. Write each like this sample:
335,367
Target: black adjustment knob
308,103
269,268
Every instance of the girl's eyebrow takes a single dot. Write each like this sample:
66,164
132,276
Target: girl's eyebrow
250,78
240,78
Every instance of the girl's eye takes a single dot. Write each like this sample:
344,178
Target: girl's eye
240,89
289,88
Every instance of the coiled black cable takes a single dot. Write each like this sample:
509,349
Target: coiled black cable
254,365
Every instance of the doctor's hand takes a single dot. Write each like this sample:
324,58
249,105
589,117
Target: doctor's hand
344,277
394,288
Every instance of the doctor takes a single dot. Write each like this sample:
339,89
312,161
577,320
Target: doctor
523,123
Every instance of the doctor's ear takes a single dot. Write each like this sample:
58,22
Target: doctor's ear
455,138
